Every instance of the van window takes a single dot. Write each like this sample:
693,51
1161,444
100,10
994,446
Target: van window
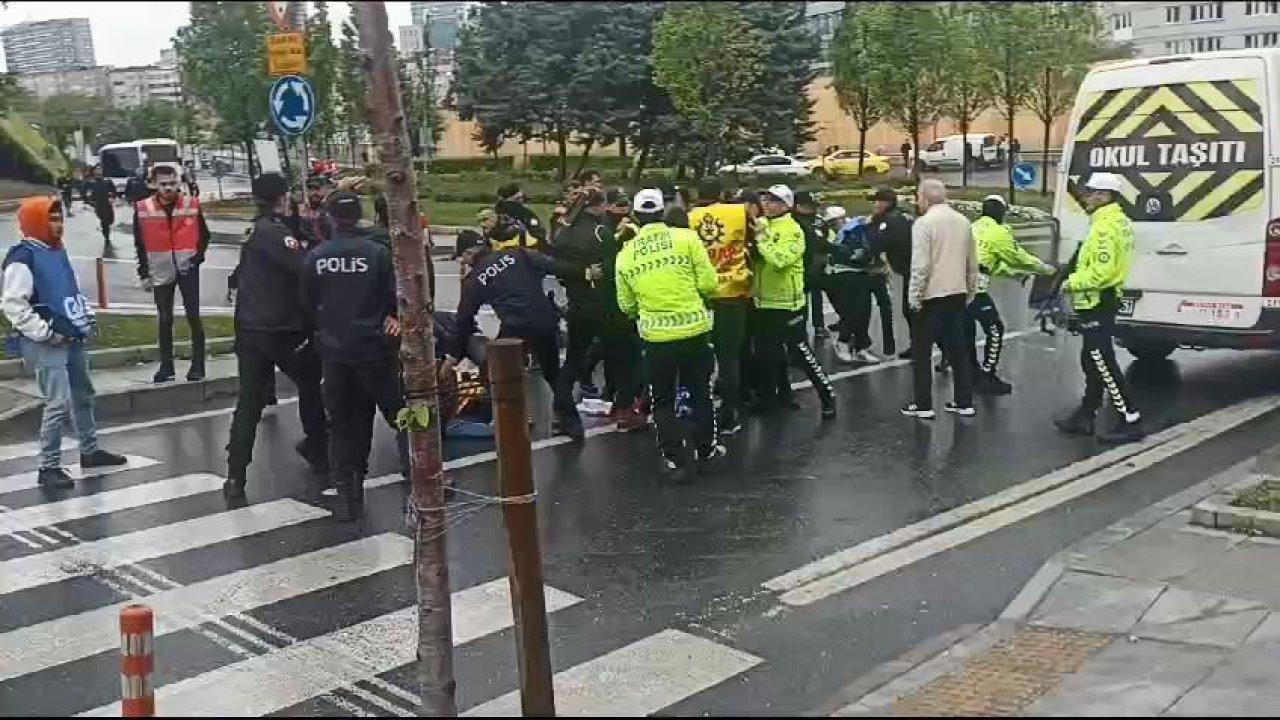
934,147
1187,151
161,153
121,162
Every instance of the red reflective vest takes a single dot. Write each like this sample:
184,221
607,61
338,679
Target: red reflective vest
171,240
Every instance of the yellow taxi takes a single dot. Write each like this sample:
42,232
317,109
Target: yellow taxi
845,163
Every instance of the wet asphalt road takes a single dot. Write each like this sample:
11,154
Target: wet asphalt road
642,556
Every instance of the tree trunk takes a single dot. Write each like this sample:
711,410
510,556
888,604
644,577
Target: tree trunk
562,145
622,146
248,157
582,159
862,147
1044,149
640,163
417,353
964,151
1009,152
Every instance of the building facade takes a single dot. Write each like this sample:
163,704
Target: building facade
1156,28
133,86
48,45
411,39
89,82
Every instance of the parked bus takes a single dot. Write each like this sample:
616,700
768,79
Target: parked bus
120,161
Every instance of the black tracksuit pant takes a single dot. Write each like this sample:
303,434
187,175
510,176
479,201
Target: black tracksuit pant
856,291
671,365
779,334
352,393
188,284
1098,358
621,357
545,344
258,354
729,339
983,311
941,319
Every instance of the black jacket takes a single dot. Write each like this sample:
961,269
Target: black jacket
815,249
526,217
510,281
99,193
891,234
587,242
268,279
349,287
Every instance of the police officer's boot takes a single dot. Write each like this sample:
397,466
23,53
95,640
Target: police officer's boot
348,506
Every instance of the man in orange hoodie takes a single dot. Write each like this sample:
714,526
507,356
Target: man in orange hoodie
52,322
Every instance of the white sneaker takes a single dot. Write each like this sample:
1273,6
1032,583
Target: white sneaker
962,411
915,411
843,353
867,356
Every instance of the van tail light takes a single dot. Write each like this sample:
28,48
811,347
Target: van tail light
1271,265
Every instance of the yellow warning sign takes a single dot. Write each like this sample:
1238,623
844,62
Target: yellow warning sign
1185,151
286,54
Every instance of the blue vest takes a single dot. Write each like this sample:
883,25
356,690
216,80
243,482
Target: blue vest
55,296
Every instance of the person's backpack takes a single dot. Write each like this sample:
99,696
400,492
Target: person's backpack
853,247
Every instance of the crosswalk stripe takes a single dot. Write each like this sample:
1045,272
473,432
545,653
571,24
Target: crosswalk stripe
27,480
110,501
48,644
639,679
92,557
269,683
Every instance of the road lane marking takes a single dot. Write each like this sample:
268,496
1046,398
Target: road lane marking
92,557
1193,433
639,679
272,682
76,508
72,637
28,480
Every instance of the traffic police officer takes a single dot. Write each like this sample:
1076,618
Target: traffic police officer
1095,284
999,255
349,288
272,331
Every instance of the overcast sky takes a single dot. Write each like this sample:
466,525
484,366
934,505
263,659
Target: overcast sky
134,33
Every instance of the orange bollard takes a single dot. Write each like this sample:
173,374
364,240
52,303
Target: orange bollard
137,697
102,283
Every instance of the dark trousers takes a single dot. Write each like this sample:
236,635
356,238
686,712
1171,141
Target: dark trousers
621,357
1098,358
857,290
189,285
779,335
671,365
907,313
729,338
352,394
941,319
258,354
546,348
982,311
816,310
106,218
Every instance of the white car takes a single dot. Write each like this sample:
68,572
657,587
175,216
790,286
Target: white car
769,166
945,152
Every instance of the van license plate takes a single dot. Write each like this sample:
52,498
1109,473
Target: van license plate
1127,303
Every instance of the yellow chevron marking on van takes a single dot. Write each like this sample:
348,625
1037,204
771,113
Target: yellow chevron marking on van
1188,184
1159,130
1155,179
1249,88
1127,190
1210,202
1117,102
1230,111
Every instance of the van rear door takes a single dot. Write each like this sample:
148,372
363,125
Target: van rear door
1190,138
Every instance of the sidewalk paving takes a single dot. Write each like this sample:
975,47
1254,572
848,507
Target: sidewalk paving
1152,616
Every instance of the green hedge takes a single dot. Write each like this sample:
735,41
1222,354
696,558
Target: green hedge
469,164
602,163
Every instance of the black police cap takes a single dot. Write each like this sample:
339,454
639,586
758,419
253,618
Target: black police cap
345,205
269,186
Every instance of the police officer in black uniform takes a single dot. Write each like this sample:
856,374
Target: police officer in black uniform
272,331
349,287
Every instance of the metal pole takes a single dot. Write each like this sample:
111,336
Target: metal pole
101,271
417,352
515,473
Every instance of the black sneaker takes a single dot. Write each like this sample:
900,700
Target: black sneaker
319,462
705,459
915,411
233,488
570,425
821,334
729,422
163,375
272,400
102,458
1123,432
1077,422
54,477
990,384
828,409
676,472
961,410
195,374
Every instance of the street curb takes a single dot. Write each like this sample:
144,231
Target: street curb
13,369
890,681
1227,517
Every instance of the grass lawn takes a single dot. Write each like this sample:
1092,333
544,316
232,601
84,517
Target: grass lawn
116,331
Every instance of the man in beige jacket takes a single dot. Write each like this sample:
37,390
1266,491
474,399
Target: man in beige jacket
944,279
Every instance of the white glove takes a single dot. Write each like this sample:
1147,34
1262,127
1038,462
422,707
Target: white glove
467,366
